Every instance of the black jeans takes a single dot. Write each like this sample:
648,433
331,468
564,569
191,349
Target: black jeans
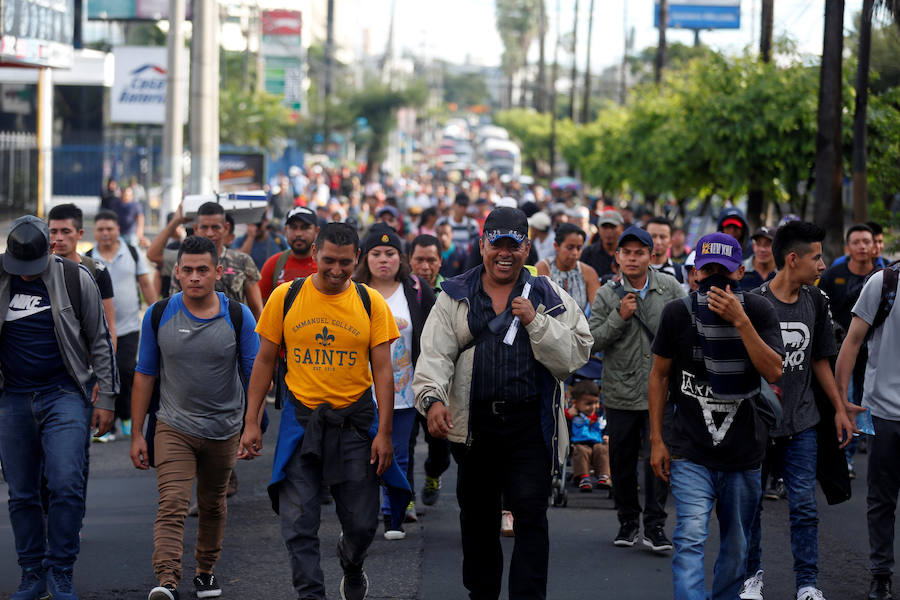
126,359
883,479
509,459
438,459
629,437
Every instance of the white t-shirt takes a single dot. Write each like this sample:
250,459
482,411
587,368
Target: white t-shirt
401,351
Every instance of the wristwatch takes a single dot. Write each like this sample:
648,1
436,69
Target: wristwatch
428,402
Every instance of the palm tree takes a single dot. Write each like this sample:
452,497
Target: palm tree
517,23
828,210
540,92
574,89
860,182
586,103
661,47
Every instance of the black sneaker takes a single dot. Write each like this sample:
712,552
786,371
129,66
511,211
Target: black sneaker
628,534
392,533
164,592
655,539
431,491
880,588
777,491
354,585
207,586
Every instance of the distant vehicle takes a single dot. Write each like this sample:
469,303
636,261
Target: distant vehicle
460,127
490,132
502,156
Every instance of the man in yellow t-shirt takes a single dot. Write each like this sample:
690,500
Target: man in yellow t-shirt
333,333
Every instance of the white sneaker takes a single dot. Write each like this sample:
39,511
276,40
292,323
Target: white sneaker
506,524
753,587
810,593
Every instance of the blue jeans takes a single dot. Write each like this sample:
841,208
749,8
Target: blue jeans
796,461
46,429
734,495
400,434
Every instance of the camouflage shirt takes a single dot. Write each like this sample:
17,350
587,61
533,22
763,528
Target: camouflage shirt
237,269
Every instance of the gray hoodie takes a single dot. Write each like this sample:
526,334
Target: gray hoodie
85,346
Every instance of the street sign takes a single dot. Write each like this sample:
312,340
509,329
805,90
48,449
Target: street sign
37,33
701,14
139,89
130,10
282,52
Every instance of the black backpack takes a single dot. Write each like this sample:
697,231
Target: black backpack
281,389
235,312
888,293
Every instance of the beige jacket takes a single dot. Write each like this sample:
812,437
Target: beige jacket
560,340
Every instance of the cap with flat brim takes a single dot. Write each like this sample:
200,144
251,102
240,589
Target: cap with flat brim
302,213
27,247
718,248
495,236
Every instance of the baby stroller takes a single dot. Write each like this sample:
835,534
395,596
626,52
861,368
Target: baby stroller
593,370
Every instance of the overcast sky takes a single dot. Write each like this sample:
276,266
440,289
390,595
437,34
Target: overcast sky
457,29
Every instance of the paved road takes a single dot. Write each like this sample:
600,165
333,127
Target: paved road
117,544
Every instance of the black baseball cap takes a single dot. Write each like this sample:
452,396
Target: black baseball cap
304,214
637,234
765,232
27,247
506,222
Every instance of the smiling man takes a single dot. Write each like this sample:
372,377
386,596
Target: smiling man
488,379
337,336
201,344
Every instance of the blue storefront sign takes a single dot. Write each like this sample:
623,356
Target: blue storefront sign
702,14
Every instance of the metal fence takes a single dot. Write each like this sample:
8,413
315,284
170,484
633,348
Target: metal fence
18,173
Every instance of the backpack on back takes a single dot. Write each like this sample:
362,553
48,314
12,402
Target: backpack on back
888,293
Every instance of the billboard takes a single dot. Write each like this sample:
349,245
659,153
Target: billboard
701,14
37,33
240,171
130,10
282,52
139,89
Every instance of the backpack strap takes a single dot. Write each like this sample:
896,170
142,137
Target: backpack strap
889,280
73,285
90,264
364,296
156,313
279,266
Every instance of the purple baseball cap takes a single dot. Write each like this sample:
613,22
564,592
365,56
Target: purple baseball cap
718,248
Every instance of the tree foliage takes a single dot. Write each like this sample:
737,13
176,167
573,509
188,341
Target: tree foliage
252,119
466,89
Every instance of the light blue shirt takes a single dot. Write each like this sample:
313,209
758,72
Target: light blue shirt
641,292
124,273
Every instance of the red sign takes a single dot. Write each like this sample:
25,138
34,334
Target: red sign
282,22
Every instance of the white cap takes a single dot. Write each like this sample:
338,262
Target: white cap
539,220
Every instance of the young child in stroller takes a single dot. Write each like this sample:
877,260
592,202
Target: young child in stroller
589,446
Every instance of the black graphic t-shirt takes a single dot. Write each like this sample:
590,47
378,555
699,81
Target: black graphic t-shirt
807,333
29,353
724,435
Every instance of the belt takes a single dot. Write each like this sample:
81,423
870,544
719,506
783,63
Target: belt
505,408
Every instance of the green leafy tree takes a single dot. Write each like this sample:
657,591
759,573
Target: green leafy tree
466,89
253,119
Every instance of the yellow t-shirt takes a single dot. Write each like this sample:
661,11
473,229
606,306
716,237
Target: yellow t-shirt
328,338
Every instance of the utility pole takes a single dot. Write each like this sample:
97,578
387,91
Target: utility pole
540,96
767,22
204,108
553,96
173,128
661,47
574,88
586,98
329,60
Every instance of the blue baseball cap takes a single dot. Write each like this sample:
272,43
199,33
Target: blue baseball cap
719,248
637,234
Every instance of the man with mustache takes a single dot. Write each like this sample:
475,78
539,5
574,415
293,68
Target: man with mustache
301,226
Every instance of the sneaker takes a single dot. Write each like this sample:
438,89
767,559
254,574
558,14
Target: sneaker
59,584
411,516
506,524
810,593
105,438
33,585
194,510
163,592
207,586
628,534
584,484
431,491
752,588
777,491
880,588
126,427
655,539
851,471
232,485
390,533
604,482
354,586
